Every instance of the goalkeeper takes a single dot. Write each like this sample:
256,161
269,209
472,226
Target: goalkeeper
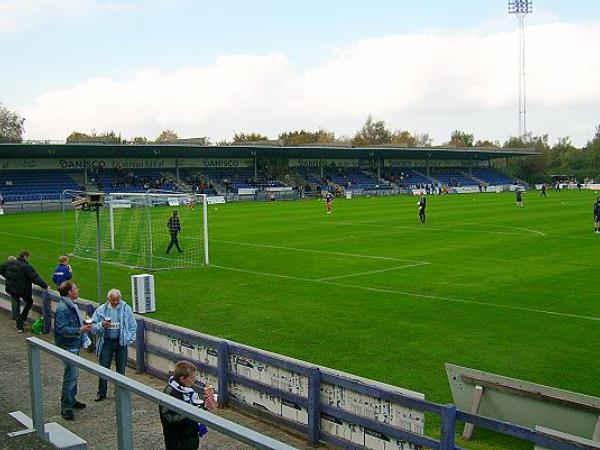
174,227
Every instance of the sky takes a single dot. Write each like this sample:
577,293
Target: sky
267,66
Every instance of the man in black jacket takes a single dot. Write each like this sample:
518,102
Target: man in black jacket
19,276
174,227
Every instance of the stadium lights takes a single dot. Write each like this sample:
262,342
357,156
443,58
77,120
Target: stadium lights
520,6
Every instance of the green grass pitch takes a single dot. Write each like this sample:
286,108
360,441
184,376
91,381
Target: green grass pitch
371,291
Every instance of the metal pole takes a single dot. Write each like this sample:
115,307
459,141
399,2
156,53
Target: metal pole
111,222
255,168
37,397
124,425
205,225
98,255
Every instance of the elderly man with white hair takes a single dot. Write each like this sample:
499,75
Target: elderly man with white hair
115,328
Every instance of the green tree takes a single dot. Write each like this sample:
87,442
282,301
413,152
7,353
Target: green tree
461,139
249,137
592,150
11,126
302,137
405,138
372,133
139,140
167,136
107,137
530,168
487,143
424,140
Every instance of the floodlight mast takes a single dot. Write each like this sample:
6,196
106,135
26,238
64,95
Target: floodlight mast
521,8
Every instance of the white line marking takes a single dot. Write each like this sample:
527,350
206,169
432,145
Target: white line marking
416,227
30,237
372,272
322,252
412,294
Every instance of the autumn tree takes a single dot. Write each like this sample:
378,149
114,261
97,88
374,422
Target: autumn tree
11,126
372,133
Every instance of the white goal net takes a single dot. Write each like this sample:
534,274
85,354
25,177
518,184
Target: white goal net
152,230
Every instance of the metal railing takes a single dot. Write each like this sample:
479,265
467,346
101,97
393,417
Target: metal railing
124,387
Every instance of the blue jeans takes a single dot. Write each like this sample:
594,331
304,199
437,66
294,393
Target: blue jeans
69,386
111,348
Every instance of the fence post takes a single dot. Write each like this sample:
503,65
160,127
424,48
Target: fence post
124,419
314,405
46,311
140,346
223,373
448,427
36,390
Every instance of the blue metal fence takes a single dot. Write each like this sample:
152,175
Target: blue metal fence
449,415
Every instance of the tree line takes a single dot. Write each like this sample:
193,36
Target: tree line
562,158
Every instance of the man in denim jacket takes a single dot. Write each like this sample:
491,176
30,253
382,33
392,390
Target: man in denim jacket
115,327
69,334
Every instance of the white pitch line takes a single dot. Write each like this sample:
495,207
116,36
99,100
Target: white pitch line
30,237
372,272
322,252
412,294
415,227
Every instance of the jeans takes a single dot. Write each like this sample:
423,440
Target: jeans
110,348
20,316
69,386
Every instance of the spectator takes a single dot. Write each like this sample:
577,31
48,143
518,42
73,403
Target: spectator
115,327
63,271
19,275
181,433
70,335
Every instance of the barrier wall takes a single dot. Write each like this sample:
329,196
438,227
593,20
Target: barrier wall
325,404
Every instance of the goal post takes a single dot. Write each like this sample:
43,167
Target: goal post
137,230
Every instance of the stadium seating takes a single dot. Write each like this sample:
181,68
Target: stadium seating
25,185
491,176
346,177
453,177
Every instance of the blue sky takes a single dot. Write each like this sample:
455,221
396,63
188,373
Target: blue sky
57,46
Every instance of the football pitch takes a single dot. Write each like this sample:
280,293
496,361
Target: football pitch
371,291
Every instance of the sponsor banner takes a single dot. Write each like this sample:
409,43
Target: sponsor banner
209,163
434,163
279,189
215,199
316,162
121,163
593,187
246,191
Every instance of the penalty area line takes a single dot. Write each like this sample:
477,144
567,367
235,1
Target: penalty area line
412,294
321,252
373,271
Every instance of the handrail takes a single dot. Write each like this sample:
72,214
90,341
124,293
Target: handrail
124,387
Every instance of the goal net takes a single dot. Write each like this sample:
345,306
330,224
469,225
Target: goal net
152,230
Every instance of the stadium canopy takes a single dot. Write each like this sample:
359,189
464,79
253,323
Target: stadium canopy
91,151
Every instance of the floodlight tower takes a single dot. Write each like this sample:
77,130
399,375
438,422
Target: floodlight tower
521,8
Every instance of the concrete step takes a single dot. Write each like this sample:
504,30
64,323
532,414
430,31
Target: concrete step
58,435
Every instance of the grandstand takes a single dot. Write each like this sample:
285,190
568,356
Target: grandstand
52,168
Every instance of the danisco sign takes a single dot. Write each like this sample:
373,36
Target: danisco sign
122,163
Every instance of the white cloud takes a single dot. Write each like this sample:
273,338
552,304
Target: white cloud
18,15
430,81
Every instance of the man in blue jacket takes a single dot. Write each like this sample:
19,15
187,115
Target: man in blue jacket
63,271
115,327
69,334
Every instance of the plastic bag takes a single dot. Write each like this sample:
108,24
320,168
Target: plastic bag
37,327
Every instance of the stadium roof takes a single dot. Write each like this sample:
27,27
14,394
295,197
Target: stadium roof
91,151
